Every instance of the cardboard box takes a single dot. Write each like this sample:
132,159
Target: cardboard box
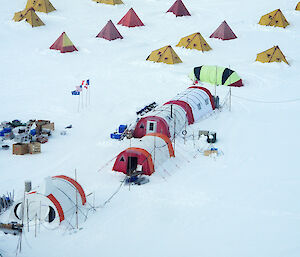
34,147
20,149
48,126
209,152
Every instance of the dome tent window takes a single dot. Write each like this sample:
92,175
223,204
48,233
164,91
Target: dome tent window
199,106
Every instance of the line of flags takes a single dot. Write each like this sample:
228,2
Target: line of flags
85,84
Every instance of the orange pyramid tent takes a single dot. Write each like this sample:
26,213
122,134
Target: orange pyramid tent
275,18
165,54
298,7
194,41
273,54
29,16
63,44
40,5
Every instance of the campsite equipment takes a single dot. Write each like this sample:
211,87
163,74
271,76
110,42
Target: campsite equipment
68,127
42,139
6,201
179,9
12,228
34,147
275,18
16,123
146,153
122,128
63,44
61,198
40,5
165,54
29,16
5,147
194,41
170,119
216,75
223,32
131,19
109,32
111,2
116,135
211,151
20,148
273,54
211,137
298,7
137,180
147,108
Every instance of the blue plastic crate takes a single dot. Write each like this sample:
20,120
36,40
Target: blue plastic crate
115,136
7,130
122,128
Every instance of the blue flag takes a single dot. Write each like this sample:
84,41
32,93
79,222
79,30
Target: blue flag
75,92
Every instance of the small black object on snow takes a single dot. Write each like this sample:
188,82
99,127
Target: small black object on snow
68,127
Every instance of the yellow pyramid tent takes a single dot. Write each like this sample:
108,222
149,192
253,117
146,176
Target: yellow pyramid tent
40,5
30,16
298,7
273,54
112,2
194,41
165,54
275,18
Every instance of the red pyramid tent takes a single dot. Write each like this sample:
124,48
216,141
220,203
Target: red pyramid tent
109,32
223,32
131,19
63,44
179,9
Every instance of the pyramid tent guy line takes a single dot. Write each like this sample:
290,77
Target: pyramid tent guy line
109,32
273,54
165,54
275,18
194,41
179,9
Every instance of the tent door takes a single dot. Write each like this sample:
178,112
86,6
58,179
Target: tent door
132,163
51,215
151,127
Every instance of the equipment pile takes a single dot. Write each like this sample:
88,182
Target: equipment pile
28,136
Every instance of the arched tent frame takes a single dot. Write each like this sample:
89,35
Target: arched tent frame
151,151
54,202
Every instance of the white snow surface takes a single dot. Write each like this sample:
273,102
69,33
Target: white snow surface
243,203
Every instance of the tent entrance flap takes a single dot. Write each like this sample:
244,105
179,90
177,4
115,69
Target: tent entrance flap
132,163
51,215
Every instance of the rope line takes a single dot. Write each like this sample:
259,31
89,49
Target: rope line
267,102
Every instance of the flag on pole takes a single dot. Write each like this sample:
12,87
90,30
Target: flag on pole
87,84
82,83
75,92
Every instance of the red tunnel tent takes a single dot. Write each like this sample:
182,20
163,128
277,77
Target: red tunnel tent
147,153
184,109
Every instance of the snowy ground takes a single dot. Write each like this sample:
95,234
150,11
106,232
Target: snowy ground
244,203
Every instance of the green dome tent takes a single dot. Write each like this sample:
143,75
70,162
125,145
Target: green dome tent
216,75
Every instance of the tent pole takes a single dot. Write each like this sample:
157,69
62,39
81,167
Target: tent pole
76,201
230,99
